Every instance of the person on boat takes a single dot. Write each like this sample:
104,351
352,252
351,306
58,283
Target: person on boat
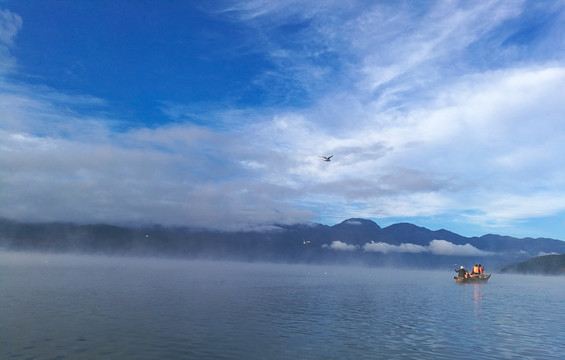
481,269
475,270
462,272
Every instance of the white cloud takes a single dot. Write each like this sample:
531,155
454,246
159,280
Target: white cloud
388,248
412,166
52,179
442,247
503,209
436,247
340,246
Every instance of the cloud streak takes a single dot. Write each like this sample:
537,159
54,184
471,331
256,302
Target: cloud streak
10,25
436,247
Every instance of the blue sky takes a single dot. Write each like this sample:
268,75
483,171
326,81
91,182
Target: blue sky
446,114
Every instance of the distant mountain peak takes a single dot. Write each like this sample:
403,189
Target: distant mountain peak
359,222
406,225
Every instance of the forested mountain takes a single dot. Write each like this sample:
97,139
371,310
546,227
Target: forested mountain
545,265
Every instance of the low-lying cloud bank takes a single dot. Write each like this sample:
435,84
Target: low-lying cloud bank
340,245
436,247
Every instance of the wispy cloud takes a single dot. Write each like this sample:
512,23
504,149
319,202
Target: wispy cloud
10,24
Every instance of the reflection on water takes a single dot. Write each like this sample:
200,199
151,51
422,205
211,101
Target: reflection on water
477,294
95,307
477,301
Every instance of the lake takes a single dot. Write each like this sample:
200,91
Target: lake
85,307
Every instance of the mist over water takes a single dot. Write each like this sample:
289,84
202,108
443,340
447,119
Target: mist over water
69,307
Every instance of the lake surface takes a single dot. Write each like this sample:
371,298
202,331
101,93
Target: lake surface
85,307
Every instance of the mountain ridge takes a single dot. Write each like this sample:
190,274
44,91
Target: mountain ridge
353,240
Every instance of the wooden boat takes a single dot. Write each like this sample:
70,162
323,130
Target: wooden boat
482,278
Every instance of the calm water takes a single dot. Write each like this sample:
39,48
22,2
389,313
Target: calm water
83,307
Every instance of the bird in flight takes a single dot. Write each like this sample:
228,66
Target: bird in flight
327,158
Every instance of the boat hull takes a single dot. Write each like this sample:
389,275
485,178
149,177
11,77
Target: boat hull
483,278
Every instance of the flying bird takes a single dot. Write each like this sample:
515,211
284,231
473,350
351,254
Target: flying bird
327,158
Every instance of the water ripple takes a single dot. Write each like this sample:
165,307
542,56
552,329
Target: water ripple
132,309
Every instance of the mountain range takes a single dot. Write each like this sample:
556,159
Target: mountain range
353,241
